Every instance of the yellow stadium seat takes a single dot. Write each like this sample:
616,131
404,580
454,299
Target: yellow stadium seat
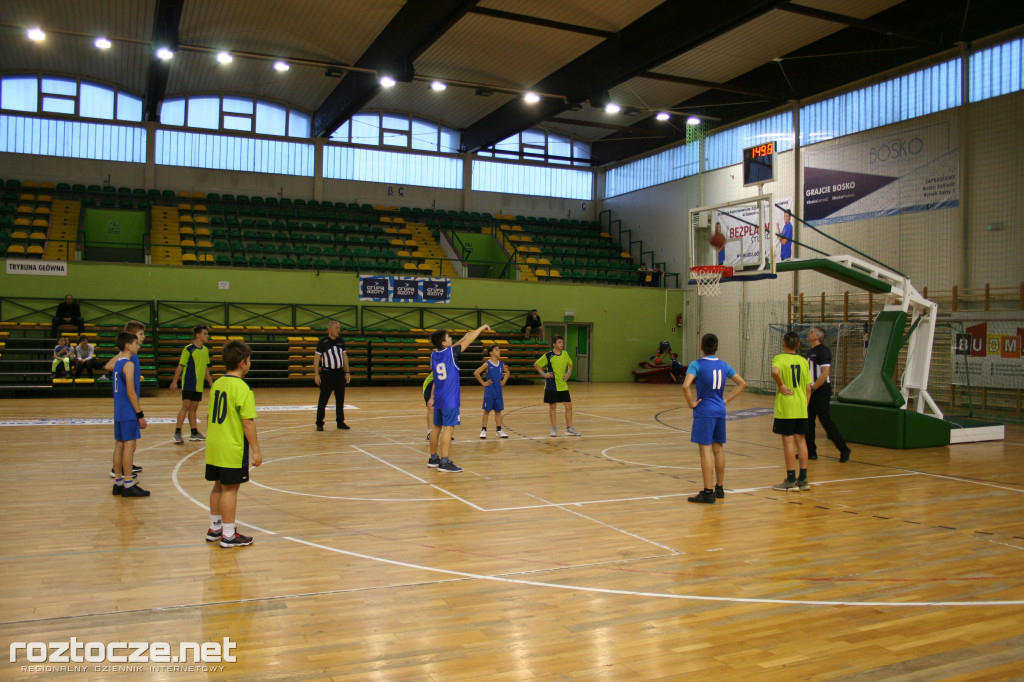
16,250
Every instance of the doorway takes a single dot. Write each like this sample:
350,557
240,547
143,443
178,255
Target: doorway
577,343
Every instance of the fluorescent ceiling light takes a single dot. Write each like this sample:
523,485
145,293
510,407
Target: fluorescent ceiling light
103,43
164,53
36,34
438,86
224,57
281,66
387,82
663,116
531,97
612,108
692,121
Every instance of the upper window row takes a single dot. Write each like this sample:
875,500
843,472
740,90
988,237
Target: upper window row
57,95
387,129
540,145
237,114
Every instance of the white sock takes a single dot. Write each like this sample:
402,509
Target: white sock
229,531
216,521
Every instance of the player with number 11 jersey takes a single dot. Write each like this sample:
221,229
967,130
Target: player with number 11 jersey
710,373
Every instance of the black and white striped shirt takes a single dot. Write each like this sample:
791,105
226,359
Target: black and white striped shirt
331,352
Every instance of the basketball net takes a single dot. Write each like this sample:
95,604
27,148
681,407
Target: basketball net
709,278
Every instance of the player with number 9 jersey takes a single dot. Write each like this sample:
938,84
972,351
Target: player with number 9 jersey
710,374
231,401
445,367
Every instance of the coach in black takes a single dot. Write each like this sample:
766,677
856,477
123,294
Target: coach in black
331,373
820,359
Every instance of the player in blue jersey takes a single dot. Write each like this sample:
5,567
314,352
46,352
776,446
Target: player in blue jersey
139,330
128,416
444,363
496,373
709,374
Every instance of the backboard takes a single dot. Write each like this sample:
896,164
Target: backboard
751,245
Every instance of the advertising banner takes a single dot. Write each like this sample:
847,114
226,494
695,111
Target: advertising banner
989,355
398,289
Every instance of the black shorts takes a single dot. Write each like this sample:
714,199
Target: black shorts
426,394
552,397
229,475
790,427
195,396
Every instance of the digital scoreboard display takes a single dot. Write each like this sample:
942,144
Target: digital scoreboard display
759,164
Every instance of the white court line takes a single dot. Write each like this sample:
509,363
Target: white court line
656,595
838,480
604,453
967,480
421,480
606,525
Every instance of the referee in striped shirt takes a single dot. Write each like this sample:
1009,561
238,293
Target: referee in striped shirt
331,373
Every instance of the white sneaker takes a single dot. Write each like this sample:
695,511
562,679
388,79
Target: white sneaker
554,431
569,431
502,434
483,434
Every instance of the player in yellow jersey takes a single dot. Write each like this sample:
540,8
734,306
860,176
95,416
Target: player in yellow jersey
792,376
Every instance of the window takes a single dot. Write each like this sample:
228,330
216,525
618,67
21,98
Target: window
543,181
372,165
226,152
73,139
672,164
374,129
19,93
725,148
997,70
96,101
229,112
538,145
68,96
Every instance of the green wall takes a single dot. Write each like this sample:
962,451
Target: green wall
628,321
486,251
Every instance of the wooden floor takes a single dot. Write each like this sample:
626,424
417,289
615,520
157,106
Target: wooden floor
546,559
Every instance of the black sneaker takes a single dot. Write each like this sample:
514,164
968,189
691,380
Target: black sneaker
703,497
719,492
319,427
117,489
448,467
214,535
844,456
134,491
236,540
434,461
343,426
815,456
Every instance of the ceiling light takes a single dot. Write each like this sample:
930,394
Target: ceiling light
103,43
36,34
531,97
387,82
224,57
693,121
612,108
164,53
438,86
281,66
663,116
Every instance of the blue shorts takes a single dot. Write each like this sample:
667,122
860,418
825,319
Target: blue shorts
446,417
708,430
494,402
127,430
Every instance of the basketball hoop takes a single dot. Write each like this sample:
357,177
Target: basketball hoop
709,277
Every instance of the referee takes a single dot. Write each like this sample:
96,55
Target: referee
331,373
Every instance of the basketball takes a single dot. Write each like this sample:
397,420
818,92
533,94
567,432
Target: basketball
717,240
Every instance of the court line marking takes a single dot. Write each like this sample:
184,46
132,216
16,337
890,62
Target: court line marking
838,480
421,480
604,453
656,595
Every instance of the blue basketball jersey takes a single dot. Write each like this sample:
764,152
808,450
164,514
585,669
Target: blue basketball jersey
123,410
710,374
444,365
495,373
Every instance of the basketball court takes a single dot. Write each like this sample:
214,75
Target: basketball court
547,558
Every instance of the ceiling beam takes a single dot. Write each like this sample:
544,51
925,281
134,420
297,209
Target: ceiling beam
548,23
166,20
651,40
873,26
682,80
414,28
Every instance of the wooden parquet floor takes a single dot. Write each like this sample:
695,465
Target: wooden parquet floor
546,559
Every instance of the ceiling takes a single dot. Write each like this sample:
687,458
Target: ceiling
722,61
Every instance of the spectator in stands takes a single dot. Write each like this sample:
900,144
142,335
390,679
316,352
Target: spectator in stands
533,324
644,275
85,357
657,275
331,373
61,355
68,312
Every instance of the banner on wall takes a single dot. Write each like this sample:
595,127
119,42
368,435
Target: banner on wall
398,289
17,266
989,355
901,172
743,246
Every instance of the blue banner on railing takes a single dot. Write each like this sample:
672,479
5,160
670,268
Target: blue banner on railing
399,289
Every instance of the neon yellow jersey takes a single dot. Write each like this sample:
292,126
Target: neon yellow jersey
559,363
231,401
795,373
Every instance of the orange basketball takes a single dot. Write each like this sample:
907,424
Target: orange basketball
717,240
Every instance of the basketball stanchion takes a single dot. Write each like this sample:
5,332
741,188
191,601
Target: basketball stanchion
709,278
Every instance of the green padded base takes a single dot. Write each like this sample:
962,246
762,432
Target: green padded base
889,427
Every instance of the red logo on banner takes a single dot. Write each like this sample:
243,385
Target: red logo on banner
979,333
